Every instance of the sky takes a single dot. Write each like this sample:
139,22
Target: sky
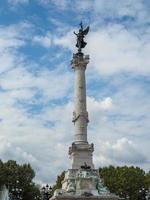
37,82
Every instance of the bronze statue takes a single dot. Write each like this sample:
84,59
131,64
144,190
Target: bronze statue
80,37
85,166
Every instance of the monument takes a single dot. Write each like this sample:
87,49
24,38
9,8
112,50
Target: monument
82,181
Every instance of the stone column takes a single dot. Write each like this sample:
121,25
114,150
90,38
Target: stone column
80,114
81,151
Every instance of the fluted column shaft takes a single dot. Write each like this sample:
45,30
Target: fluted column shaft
80,115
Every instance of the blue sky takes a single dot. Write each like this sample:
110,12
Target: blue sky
36,82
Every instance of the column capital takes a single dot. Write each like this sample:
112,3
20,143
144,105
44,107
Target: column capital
79,60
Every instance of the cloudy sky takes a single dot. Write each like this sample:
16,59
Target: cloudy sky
36,82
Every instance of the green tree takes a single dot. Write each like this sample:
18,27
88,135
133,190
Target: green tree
14,175
2,178
124,181
147,180
31,191
58,183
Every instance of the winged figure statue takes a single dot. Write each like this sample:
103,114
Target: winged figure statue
80,37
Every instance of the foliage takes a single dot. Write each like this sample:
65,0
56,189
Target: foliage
2,179
31,191
58,183
147,180
125,181
14,175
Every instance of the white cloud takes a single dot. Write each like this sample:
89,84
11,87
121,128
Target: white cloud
63,4
120,8
136,9
23,137
98,105
44,41
11,151
121,133
22,82
7,61
125,151
122,152
47,82
10,43
60,4
17,2
66,41
83,5
24,134
11,36
114,50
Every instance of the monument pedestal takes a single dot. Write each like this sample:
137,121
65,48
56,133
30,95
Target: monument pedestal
85,198
83,183
80,154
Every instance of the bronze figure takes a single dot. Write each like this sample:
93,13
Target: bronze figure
80,37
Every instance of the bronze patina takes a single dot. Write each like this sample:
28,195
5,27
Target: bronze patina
80,37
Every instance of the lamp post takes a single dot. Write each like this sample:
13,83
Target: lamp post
121,195
37,197
16,192
46,192
147,195
142,194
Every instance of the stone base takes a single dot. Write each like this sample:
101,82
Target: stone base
80,154
108,197
83,184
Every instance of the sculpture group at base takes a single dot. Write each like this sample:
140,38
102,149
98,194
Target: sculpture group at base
82,182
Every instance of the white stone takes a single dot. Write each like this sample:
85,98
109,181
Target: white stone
80,152
82,181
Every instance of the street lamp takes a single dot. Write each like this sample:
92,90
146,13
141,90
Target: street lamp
127,197
37,197
142,193
147,195
16,192
46,192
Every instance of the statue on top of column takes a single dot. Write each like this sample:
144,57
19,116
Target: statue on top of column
80,37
